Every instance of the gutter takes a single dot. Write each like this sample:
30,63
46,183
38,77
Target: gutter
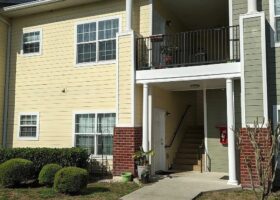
7,77
29,5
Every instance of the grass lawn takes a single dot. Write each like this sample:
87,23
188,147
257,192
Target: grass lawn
94,191
233,195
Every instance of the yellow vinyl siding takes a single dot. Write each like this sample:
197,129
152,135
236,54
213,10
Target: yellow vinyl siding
3,47
40,80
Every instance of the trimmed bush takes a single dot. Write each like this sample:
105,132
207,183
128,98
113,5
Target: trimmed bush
47,173
70,180
41,156
15,171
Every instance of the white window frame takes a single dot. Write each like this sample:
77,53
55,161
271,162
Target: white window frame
41,42
97,62
37,126
95,155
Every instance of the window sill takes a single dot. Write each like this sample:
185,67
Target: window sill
110,62
28,139
276,45
31,54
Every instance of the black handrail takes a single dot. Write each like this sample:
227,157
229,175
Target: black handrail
179,126
196,47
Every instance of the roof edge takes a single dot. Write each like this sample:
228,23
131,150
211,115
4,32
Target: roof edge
28,5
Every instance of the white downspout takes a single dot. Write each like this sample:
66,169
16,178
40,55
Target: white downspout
252,6
128,15
6,89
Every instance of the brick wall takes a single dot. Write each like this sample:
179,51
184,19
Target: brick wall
126,142
264,140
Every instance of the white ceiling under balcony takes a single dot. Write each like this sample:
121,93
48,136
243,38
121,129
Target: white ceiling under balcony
199,13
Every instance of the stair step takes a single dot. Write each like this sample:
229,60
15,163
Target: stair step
193,136
187,167
187,161
187,151
187,155
192,140
189,146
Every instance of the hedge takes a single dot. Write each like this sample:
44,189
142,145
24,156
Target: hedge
47,173
15,171
41,156
70,180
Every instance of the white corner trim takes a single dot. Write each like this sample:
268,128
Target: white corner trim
117,80
264,66
133,79
242,83
30,30
37,127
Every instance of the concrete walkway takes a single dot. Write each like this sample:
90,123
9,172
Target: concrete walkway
179,186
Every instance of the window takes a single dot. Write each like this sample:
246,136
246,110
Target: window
94,132
96,41
32,42
29,126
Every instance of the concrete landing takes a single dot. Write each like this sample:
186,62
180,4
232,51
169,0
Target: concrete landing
181,186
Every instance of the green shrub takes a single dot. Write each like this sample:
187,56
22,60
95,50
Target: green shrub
41,156
15,171
47,173
70,180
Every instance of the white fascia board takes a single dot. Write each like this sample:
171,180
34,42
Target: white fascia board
202,72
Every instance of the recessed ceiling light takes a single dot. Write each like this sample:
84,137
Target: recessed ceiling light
195,86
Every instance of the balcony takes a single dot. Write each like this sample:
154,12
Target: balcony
192,48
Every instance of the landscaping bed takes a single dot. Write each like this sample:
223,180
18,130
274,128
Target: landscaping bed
233,195
94,191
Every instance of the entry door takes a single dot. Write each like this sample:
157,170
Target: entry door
158,136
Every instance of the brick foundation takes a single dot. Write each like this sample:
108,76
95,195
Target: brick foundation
126,142
264,140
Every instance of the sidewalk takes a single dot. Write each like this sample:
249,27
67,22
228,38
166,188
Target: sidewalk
179,186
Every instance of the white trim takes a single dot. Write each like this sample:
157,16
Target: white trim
264,66
205,129
29,5
151,16
242,83
202,72
37,127
117,81
133,77
31,30
230,12
264,69
97,62
95,112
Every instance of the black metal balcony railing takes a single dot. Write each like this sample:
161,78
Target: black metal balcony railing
208,46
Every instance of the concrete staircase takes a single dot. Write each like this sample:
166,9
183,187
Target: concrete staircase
188,157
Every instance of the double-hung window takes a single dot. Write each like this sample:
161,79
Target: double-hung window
29,126
96,41
94,132
32,42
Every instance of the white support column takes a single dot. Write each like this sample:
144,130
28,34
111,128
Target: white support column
252,6
230,129
128,15
205,129
145,138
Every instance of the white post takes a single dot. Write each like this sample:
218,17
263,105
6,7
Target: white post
128,15
252,6
145,138
230,129
205,128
